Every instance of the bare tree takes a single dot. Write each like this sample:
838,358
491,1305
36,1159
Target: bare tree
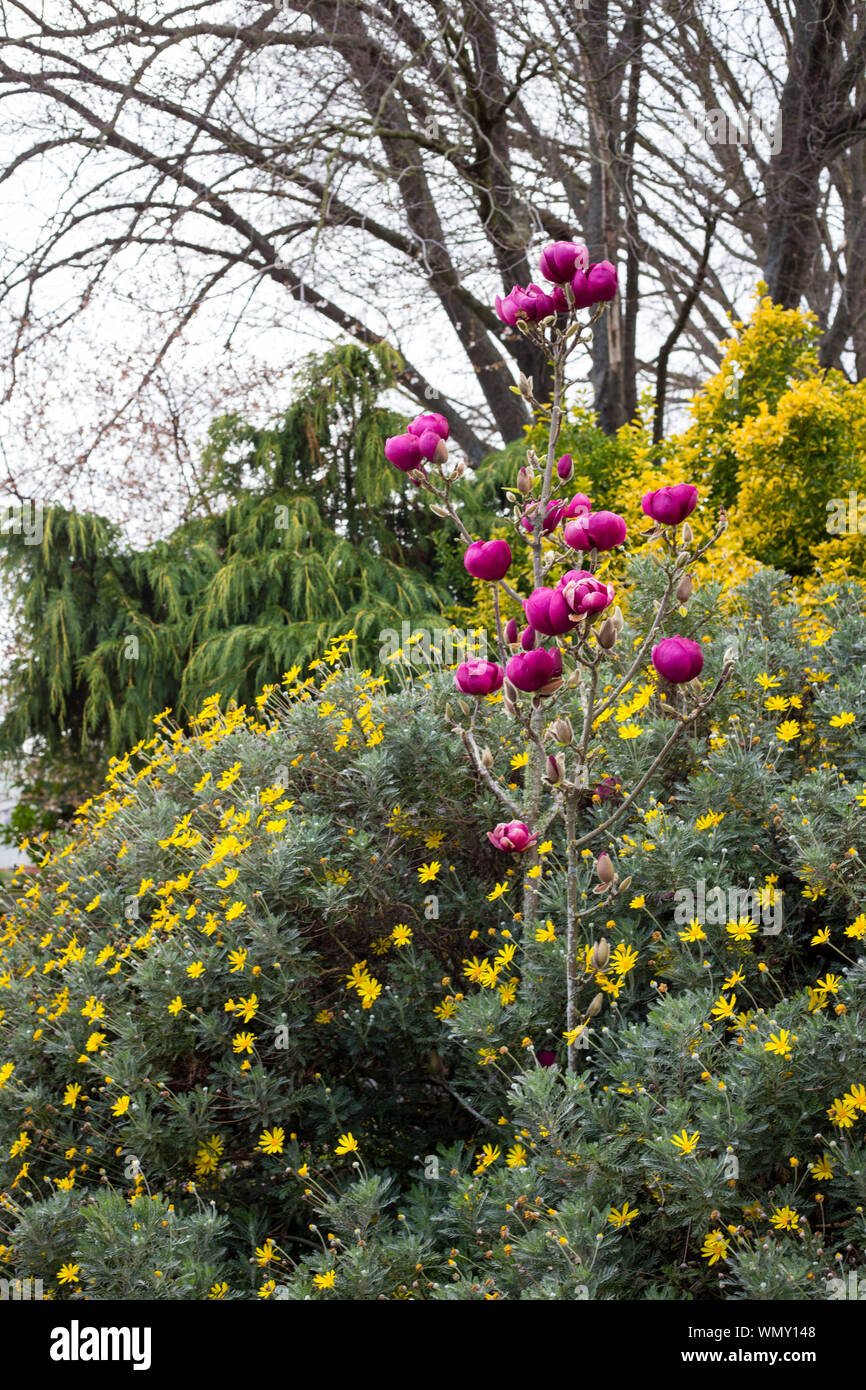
798,205
390,166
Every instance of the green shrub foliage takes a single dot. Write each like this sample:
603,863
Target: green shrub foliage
272,1024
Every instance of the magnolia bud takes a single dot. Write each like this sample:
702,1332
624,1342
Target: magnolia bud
459,470
562,730
440,454
466,708
565,468
688,534
595,1006
449,712
555,769
437,510
486,758
528,639
617,619
510,691
685,589
600,954
607,634
604,868
525,384
512,631
524,481
509,705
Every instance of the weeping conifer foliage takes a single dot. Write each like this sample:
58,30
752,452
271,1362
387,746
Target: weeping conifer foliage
303,532
286,583
329,446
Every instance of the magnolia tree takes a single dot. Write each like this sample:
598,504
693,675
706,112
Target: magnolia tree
552,670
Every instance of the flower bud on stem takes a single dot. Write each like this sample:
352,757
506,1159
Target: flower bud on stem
600,954
685,589
604,868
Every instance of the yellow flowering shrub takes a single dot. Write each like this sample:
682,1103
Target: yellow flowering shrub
793,463
774,350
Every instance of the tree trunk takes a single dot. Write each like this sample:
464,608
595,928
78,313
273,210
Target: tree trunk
607,183
793,175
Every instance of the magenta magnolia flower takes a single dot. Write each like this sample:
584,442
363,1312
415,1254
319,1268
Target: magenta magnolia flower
512,835
583,592
477,677
532,303
598,531
581,291
507,308
671,505
579,505
431,421
488,559
512,632
601,279
561,259
678,659
595,286
547,611
404,451
432,446
528,638
552,517
529,671
565,468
